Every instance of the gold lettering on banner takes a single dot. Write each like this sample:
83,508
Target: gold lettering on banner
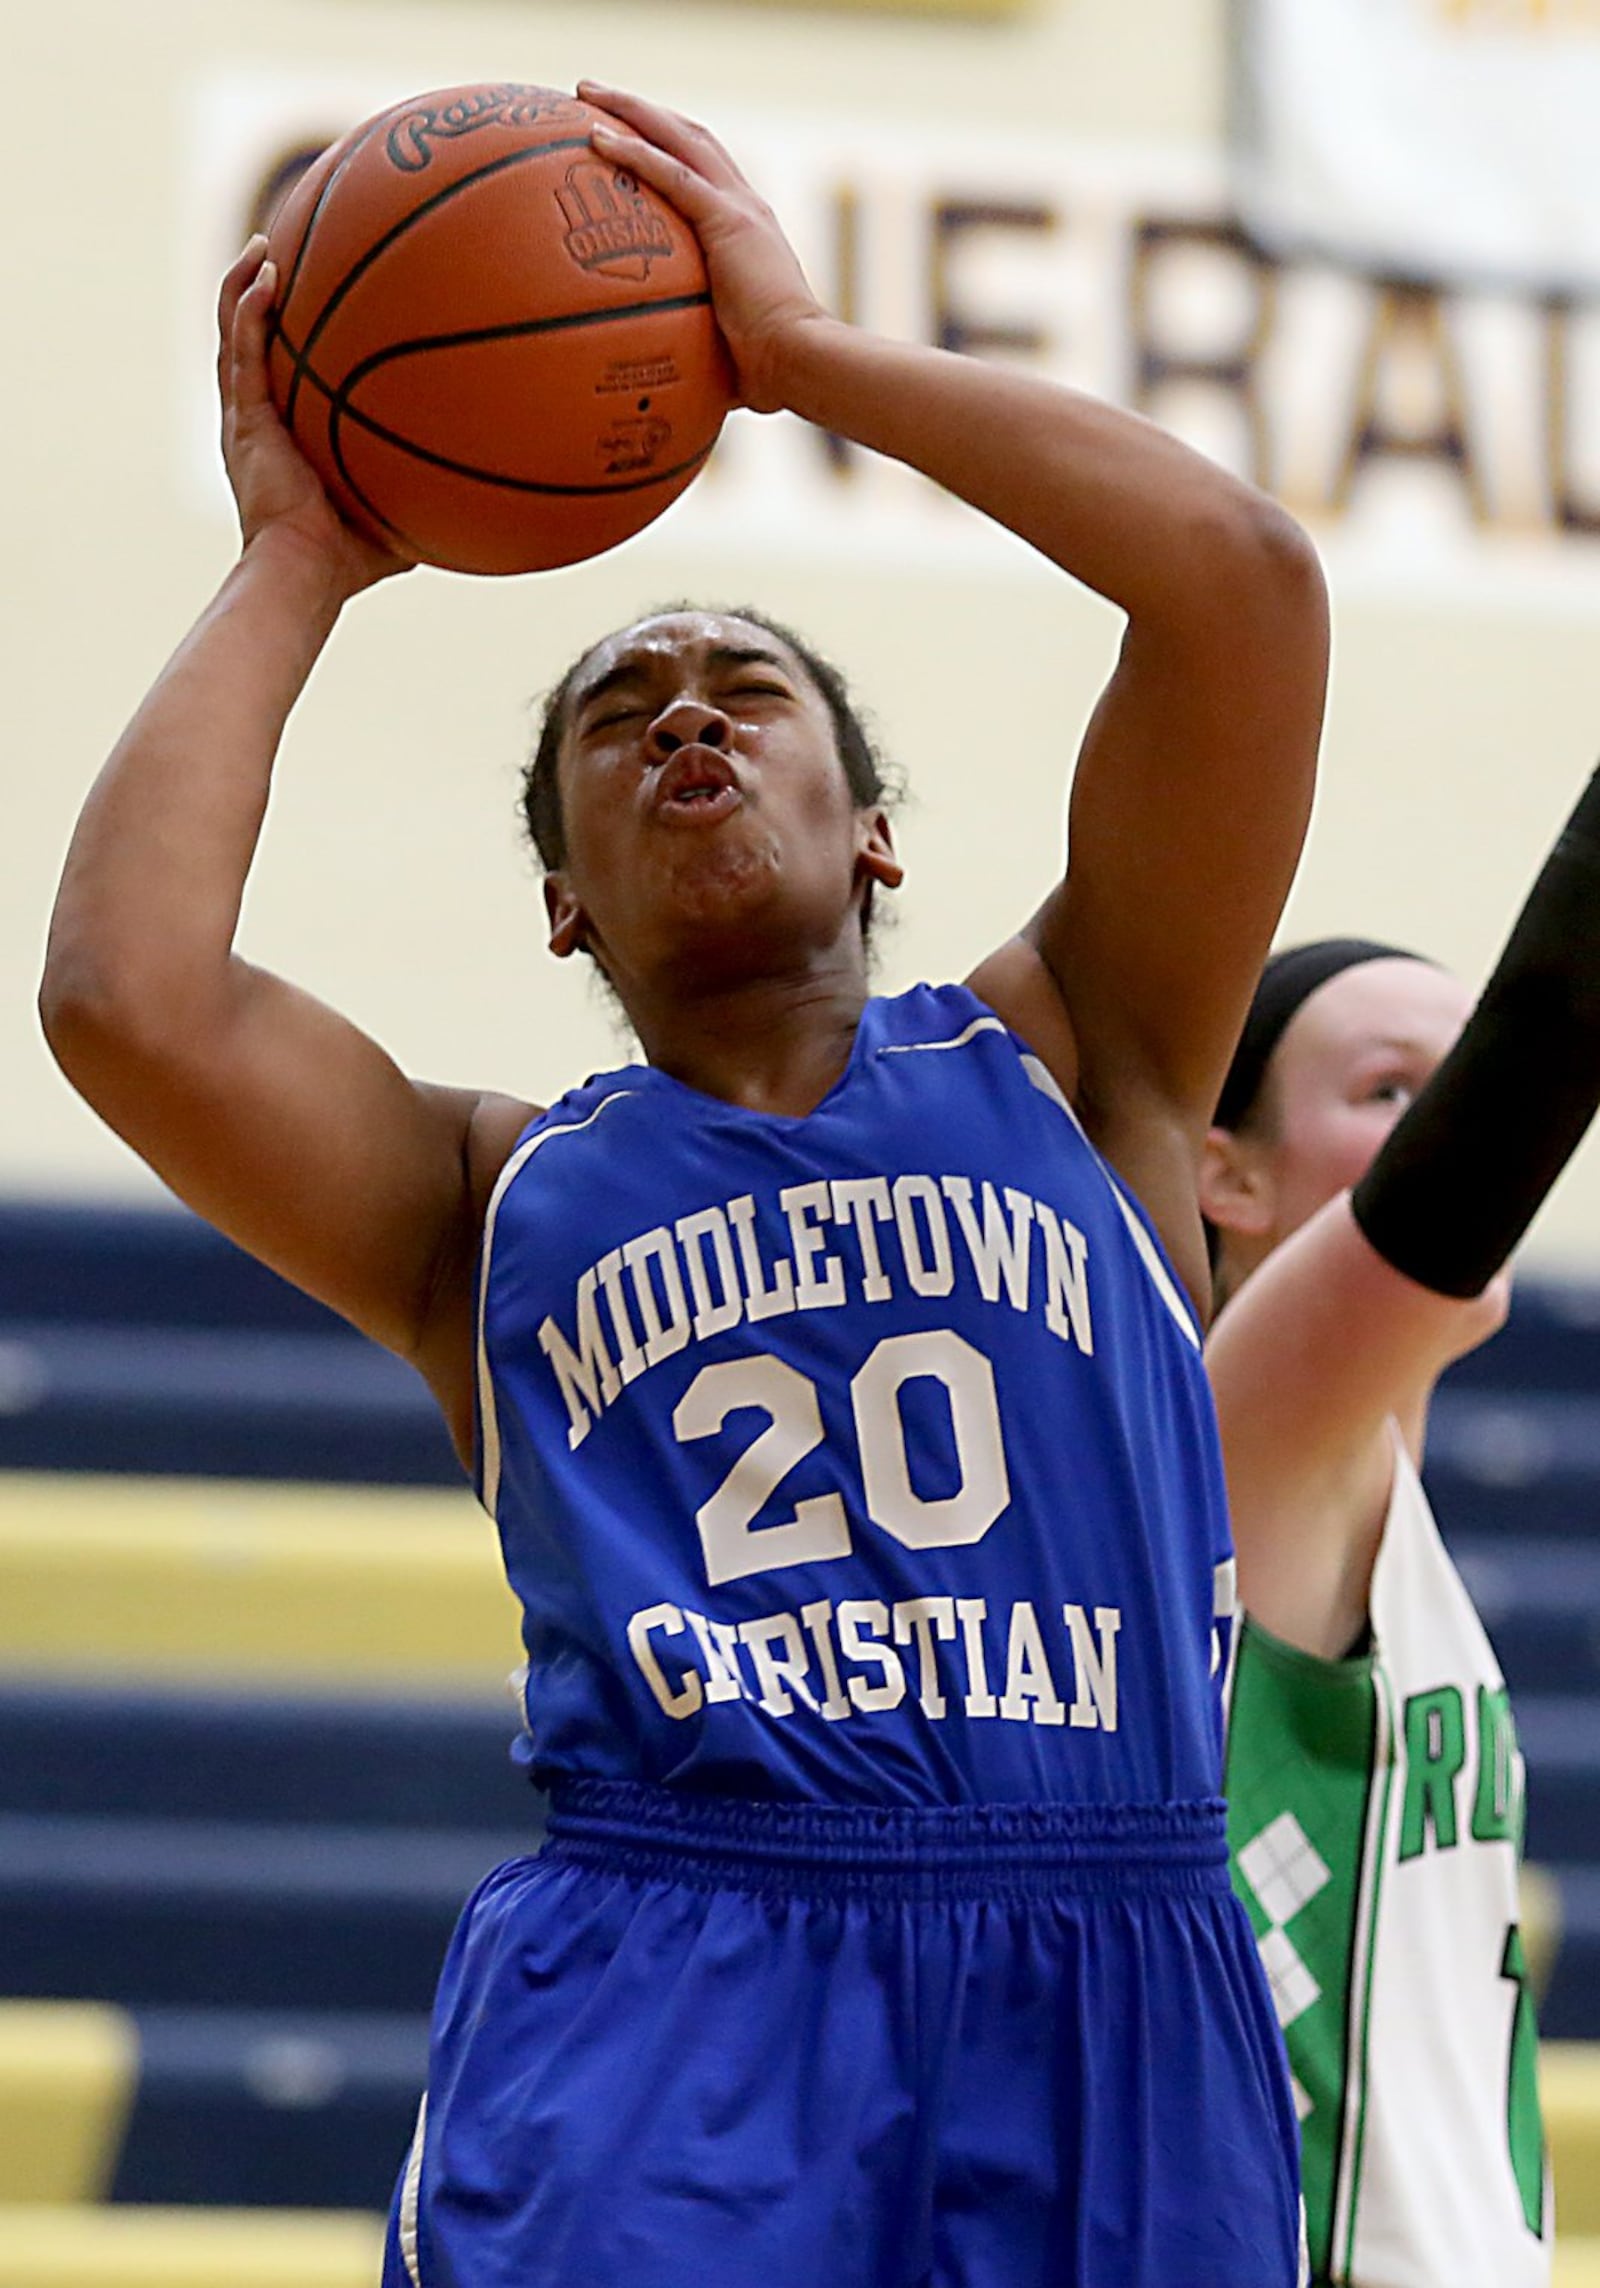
976,8
1233,367
1520,15
1313,377
952,221
1569,512
842,457
1409,342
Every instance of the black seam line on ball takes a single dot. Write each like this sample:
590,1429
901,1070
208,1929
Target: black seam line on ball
337,175
415,215
339,413
404,539
513,330
396,532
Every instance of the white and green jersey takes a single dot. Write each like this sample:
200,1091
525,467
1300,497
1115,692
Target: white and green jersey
1375,1822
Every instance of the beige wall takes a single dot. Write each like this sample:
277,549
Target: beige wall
392,881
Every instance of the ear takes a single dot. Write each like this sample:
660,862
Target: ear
875,851
1236,1187
569,925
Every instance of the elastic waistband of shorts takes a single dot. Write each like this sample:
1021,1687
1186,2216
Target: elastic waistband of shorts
990,1850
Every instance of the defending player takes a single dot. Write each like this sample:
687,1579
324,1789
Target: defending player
834,1376
1374,1781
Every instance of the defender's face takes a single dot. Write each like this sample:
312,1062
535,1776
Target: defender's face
1351,1059
705,805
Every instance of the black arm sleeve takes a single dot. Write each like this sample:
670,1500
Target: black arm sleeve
1460,1177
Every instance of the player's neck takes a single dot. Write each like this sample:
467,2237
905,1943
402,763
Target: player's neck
772,1045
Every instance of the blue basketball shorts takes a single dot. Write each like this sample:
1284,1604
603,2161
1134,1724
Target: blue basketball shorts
774,2045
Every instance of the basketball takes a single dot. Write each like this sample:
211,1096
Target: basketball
496,348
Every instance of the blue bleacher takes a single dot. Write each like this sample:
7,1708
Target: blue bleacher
1540,1601
204,1859
236,2105
268,1881
89,1751
180,1913
139,1339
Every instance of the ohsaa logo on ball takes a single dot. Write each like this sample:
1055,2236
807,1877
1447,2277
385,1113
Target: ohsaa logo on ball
631,447
612,228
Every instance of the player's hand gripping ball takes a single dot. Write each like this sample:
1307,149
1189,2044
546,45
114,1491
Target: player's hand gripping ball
496,348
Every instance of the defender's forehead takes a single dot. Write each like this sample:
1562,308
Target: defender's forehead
1397,1003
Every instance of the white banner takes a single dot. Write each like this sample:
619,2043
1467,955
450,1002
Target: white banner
1005,246
1427,432
1434,138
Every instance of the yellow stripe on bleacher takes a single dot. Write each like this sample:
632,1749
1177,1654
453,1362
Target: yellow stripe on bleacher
67,2076
233,2248
187,2248
924,7
199,1580
1569,2090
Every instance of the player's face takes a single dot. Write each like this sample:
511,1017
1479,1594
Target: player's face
708,818
1351,1059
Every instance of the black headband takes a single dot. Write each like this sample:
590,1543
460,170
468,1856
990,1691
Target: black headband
1287,982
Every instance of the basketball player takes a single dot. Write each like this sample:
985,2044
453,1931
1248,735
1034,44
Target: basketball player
1374,1782
834,1375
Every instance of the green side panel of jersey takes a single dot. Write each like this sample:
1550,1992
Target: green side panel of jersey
1524,2118
1302,1738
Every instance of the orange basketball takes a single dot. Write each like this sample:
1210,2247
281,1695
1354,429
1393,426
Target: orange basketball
496,348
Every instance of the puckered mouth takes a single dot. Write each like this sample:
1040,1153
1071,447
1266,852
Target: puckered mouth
696,776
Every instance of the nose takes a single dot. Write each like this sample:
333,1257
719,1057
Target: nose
687,722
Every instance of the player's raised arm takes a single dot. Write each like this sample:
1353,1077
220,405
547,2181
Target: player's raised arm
1343,1321
1194,785
273,1116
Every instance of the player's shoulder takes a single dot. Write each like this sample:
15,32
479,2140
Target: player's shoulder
495,1125
1016,984
929,1015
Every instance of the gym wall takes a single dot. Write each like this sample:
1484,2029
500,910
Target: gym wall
1048,181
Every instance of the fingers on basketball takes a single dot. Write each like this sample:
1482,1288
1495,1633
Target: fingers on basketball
674,178
670,131
239,283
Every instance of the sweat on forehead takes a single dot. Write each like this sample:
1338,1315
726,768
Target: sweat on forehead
721,638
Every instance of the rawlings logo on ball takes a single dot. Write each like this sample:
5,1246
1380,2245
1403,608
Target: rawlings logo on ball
411,138
611,226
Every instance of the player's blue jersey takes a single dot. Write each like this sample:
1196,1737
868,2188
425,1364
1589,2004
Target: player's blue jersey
864,1457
